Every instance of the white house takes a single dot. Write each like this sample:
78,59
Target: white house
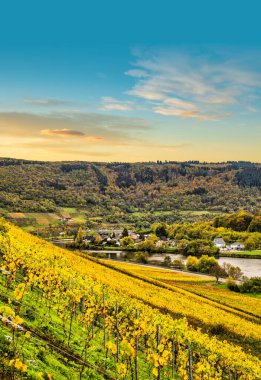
219,242
160,243
237,245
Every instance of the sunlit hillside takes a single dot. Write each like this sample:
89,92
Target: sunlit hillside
69,316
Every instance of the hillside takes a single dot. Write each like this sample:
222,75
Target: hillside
138,193
65,315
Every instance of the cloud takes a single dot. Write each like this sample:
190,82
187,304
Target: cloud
135,73
82,136
70,135
114,104
61,132
91,127
47,102
193,84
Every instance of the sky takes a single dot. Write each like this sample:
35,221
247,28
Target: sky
130,81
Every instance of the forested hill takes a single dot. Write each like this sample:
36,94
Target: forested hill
124,188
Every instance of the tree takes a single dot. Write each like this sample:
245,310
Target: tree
127,241
125,232
192,264
79,236
217,271
239,221
253,241
233,272
161,230
255,225
149,244
198,247
205,263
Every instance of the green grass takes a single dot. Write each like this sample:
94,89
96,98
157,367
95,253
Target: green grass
140,213
224,286
241,253
194,212
256,252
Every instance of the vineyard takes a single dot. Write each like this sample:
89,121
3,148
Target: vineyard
67,316
197,285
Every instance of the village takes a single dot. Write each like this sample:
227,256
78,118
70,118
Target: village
129,238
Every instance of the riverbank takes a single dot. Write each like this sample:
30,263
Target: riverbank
236,254
242,254
250,265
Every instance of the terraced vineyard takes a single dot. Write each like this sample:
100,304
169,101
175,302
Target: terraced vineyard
90,320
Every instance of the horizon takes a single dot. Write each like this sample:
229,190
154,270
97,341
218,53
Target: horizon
195,162
85,83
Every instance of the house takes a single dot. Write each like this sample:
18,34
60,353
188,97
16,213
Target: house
134,236
66,219
160,243
219,242
237,245
110,233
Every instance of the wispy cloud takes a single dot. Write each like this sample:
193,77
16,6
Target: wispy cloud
47,102
193,85
110,104
87,126
62,132
136,73
75,135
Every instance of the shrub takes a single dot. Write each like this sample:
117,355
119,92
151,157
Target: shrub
232,285
253,285
167,261
142,257
205,263
192,264
178,264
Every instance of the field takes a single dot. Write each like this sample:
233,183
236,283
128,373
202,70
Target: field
108,319
33,221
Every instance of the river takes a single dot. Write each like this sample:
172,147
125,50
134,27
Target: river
250,267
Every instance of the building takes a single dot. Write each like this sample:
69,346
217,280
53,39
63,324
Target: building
220,243
237,246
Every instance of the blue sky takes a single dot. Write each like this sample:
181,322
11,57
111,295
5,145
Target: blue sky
130,81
